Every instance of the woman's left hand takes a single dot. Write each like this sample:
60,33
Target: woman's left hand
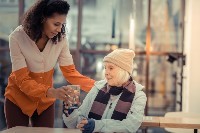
82,123
86,125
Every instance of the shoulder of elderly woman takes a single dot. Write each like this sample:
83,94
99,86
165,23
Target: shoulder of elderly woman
100,84
139,87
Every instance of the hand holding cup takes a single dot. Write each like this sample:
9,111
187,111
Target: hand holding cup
73,94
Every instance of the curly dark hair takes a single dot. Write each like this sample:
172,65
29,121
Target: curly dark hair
34,17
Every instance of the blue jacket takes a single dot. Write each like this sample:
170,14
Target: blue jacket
106,124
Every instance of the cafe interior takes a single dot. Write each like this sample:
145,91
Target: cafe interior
164,35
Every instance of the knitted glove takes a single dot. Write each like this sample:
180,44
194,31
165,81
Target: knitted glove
68,110
89,127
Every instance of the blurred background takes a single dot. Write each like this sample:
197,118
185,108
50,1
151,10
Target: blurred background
162,33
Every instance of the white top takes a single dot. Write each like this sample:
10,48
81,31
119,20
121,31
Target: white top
36,61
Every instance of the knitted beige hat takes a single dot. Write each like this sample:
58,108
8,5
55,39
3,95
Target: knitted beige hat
122,58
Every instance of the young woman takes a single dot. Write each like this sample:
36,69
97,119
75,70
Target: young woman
115,104
35,48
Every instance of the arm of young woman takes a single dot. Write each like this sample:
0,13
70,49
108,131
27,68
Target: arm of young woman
69,71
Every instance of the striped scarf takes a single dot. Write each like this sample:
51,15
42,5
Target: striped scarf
123,105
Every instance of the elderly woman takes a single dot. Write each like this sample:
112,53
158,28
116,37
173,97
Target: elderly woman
115,104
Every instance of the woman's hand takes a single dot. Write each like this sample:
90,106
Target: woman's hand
83,122
63,93
86,125
66,109
73,96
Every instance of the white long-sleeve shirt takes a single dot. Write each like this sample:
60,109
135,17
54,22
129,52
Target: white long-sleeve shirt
106,124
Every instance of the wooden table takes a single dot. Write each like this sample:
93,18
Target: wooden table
189,123
171,122
151,121
148,121
20,129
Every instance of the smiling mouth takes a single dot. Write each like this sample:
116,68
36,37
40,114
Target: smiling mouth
54,34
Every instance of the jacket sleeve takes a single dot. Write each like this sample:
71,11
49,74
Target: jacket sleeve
75,117
20,73
130,124
69,71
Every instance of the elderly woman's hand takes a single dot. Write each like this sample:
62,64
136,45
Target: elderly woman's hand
66,109
86,125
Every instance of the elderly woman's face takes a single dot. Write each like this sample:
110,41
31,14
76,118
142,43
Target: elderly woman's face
110,73
53,25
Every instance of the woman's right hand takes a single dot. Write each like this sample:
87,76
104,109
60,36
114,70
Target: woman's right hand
61,93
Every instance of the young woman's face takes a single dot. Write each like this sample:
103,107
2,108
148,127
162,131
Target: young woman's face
52,25
110,73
